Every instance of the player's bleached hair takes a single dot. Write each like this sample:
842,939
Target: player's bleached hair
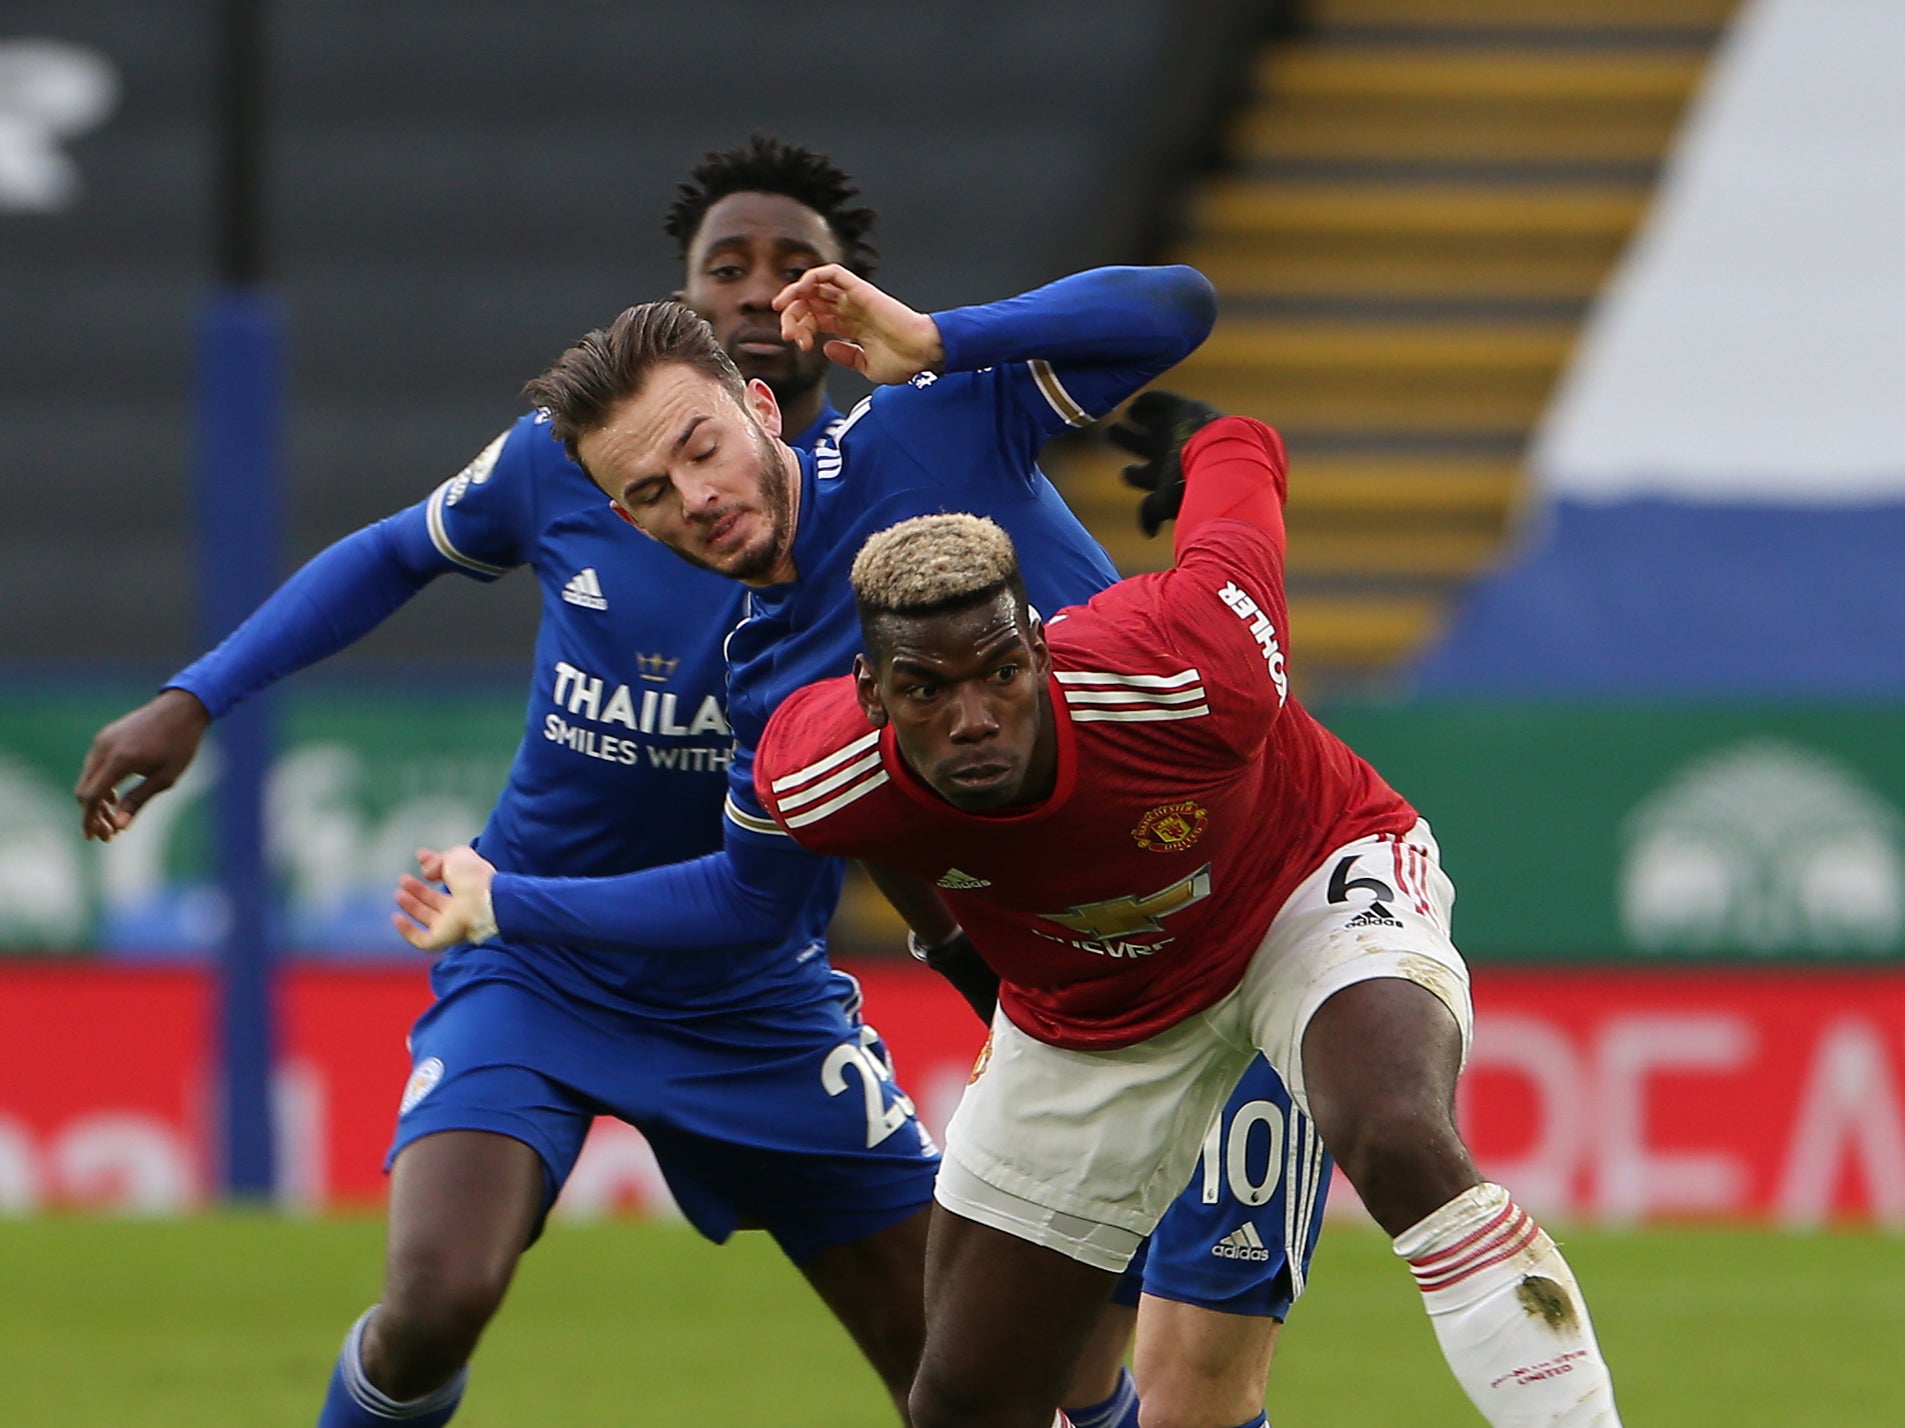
611,363
929,562
765,164
932,565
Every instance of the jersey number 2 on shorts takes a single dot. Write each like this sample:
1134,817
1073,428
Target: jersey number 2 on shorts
883,1116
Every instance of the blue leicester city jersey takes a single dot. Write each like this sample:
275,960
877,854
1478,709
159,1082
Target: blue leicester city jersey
627,742
626,731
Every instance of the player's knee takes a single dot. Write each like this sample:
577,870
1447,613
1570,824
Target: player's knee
928,1405
1211,1382
437,1301
936,1403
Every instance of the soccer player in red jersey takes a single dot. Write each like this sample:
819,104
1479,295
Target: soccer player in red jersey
1171,865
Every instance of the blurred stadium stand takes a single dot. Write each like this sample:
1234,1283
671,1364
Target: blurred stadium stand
1719,481
458,189
1416,207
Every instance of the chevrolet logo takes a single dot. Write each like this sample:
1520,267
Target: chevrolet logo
1124,916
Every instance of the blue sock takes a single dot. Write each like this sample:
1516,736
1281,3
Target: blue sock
355,1402
1118,1411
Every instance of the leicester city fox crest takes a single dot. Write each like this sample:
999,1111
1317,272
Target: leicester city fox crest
423,1080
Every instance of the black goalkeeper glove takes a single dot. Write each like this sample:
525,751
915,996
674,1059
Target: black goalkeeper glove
959,962
1155,427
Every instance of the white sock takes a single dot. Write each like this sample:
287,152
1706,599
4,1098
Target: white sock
434,1407
1508,1314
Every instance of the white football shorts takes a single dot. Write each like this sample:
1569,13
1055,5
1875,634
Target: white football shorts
1082,1151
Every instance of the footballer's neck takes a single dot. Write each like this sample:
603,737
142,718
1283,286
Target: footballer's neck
803,409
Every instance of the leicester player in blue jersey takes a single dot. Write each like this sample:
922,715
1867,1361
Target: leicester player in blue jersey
670,431
766,1099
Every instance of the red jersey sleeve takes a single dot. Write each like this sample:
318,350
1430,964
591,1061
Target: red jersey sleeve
1234,469
816,748
1222,610
1222,606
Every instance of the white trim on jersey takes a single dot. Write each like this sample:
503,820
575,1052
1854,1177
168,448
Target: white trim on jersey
440,538
845,424
1133,698
1137,716
1135,681
743,819
827,785
820,766
1054,392
1076,697
853,792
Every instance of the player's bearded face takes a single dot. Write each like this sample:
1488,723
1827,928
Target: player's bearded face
775,508
746,536
694,467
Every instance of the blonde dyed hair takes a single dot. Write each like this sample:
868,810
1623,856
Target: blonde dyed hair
932,561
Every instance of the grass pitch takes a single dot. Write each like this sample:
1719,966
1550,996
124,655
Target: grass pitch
234,1320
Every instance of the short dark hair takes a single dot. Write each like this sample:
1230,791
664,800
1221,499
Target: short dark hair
611,363
765,164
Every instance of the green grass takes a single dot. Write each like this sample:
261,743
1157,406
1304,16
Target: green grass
231,1320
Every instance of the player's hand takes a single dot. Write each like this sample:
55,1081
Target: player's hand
1155,428
155,743
431,919
859,326
959,962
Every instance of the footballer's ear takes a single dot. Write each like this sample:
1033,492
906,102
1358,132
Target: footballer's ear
761,402
1035,641
866,684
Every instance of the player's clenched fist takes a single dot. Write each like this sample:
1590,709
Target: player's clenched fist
154,743
431,919
860,327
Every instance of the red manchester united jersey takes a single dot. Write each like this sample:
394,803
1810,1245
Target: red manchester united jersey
1192,796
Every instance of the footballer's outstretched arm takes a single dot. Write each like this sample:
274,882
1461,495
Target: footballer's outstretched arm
748,893
1234,470
1108,330
336,598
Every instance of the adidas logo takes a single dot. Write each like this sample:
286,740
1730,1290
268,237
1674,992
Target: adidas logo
1376,916
962,882
1242,1243
585,590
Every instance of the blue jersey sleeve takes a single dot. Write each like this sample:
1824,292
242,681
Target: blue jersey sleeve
348,589
750,892
483,519
335,599
1072,350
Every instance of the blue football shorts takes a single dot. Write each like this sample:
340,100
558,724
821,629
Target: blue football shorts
788,1118
1239,1238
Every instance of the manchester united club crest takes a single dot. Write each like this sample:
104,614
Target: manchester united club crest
1171,827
